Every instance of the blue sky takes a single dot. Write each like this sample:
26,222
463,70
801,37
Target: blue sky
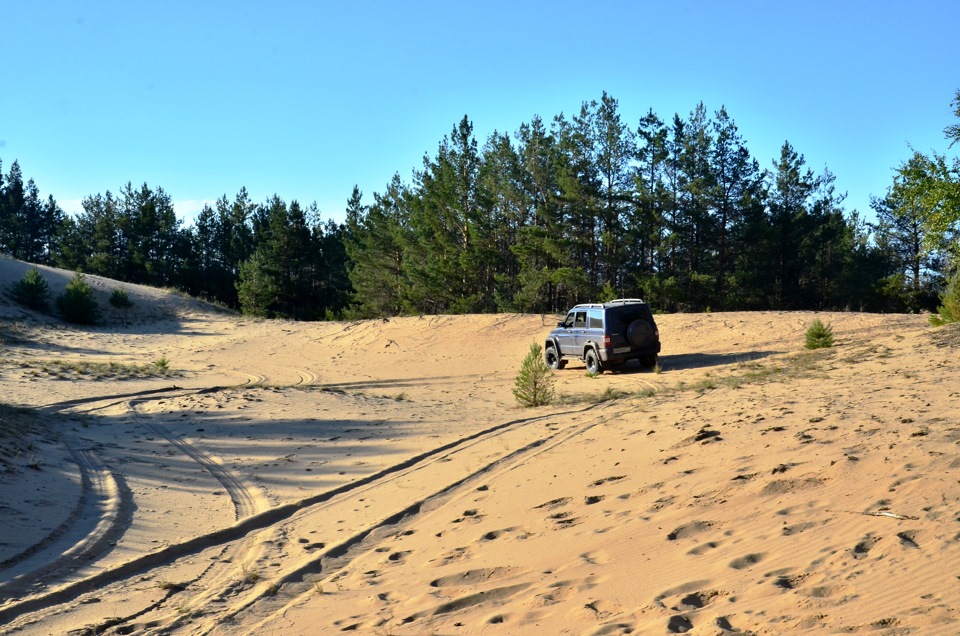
306,99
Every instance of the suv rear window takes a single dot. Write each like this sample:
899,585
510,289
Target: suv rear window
621,317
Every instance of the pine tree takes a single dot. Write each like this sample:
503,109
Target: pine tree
949,309
646,226
790,190
615,151
77,303
736,187
32,290
257,288
378,243
14,198
819,335
534,384
445,211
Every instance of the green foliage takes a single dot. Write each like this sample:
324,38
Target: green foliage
28,223
377,240
949,309
534,384
931,185
32,290
257,288
675,210
86,370
120,299
819,336
608,293
77,303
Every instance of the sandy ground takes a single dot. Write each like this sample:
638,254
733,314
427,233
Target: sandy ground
378,477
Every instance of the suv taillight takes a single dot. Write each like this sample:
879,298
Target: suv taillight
606,341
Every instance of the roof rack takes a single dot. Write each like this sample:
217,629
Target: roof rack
617,301
624,301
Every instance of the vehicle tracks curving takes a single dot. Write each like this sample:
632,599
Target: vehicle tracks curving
104,512
241,541
339,557
244,503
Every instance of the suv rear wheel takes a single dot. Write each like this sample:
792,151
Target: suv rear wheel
593,362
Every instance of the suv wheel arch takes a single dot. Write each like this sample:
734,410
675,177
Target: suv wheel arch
592,359
552,356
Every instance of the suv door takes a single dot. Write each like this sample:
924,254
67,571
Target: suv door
579,336
564,334
594,327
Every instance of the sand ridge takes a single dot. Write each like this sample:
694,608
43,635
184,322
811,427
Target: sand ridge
377,477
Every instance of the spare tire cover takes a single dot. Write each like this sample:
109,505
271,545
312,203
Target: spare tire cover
639,332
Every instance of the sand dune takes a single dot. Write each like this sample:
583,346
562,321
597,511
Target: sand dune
378,477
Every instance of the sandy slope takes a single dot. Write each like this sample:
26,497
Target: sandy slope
378,477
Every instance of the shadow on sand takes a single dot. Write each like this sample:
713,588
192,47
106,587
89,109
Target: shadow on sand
683,361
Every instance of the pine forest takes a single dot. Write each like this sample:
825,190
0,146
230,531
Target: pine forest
579,208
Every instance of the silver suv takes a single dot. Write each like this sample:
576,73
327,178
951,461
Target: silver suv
605,336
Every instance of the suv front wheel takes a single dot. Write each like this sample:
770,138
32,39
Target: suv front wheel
553,360
592,361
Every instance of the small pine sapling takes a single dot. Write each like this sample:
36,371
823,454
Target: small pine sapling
32,290
819,336
77,303
534,383
120,299
949,310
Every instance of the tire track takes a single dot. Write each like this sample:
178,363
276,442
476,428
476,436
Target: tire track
104,512
307,377
341,556
244,503
245,530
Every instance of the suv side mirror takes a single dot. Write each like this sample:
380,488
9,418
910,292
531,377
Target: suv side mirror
560,324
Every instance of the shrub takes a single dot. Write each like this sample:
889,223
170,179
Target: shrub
77,303
534,383
32,290
120,299
819,336
949,310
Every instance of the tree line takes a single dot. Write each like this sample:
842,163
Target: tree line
582,208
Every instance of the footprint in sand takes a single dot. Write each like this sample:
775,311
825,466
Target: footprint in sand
703,547
908,539
399,557
605,480
696,601
564,519
553,504
308,546
724,624
596,558
689,529
797,528
472,514
495,534
861,550
747,560
471,577
790,582
679,625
